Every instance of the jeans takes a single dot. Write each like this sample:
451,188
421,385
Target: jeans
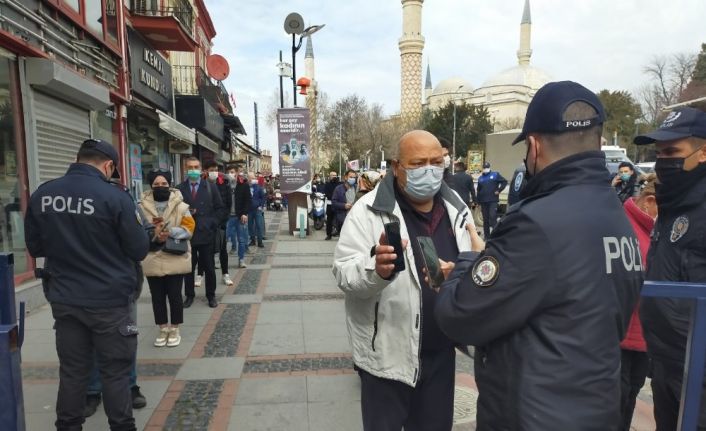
490,217
232,231
256,225
242,229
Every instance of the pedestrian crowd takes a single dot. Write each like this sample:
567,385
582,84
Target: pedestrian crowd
97,255
547,302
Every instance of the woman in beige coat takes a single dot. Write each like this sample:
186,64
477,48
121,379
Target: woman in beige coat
165,208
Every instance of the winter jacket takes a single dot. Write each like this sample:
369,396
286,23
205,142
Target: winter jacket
259,198
384,317
629,189
209,211
547,303
462,183
223,185
339,201
177,214
242,197
642,224
90,234
488,185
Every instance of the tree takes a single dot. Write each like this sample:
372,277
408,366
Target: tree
697,86
472,124
668,78
623,113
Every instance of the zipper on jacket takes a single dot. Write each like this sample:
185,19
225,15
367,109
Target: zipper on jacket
375,325
416,323
416,372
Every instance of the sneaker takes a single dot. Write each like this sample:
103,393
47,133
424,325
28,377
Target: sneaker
226,280
161,340
138,400
252,242
197,281
260,244
174,337
241,264
92,403
233,251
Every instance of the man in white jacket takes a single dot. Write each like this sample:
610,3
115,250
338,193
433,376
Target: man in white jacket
406,364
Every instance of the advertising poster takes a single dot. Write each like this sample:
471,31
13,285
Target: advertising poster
135,162
293,143
474,162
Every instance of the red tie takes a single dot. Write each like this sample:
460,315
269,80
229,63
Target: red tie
193,191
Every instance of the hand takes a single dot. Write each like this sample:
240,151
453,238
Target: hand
385,257
243,219
163,235
616,180
446,268
474,205
497,193
477,243
348,206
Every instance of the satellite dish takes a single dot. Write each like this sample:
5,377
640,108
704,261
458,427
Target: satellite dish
217,66
294,23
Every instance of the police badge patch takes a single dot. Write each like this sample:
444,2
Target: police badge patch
518,181
679,228
486,271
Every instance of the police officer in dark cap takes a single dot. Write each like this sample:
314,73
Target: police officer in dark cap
91,237
490,184
546,301
677,253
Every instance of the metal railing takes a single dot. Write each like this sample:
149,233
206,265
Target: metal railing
179,9
192,80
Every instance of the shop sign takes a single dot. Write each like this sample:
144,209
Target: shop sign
151,74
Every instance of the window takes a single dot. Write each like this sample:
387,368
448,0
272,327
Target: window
111,21
93,13
73,4
98,17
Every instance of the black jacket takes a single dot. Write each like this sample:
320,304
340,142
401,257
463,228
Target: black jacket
462,183
242,197
90,234
488,185
329,188
519,180
629,189
207,209
677,253
548,302
224,189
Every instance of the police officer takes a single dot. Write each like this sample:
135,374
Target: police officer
490,184
90,235
547,302
519,179
677,253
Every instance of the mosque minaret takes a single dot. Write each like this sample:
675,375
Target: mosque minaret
411,47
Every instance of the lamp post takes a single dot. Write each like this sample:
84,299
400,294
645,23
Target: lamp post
285,70
295,48
453,159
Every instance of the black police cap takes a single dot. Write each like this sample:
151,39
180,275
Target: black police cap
679,124
107,149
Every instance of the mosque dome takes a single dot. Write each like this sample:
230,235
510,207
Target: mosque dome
521,75
452,86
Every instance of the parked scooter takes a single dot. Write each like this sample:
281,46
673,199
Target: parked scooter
277,201
318,210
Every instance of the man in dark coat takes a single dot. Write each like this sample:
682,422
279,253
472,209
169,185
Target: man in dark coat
462,184
547,301
208,211
490,184
330,213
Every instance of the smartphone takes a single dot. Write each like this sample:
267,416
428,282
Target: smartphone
157,220
431,261
392,231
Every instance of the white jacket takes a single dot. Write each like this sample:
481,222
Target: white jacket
383,317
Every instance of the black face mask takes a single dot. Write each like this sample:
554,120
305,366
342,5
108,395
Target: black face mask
528,175
674,181
161,194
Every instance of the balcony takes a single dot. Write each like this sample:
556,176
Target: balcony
192,81
168,26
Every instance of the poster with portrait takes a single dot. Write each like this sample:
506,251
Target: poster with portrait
293,144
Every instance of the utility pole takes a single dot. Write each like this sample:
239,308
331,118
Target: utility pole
340,147
257,129
453,159
281,90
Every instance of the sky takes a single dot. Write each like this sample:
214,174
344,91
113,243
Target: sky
603,44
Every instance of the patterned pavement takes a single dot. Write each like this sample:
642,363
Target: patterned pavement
274,354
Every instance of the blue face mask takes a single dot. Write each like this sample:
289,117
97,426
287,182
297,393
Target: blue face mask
625,177
423,183
351,181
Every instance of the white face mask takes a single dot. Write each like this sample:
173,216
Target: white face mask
213,176
447,161
486,170
231,176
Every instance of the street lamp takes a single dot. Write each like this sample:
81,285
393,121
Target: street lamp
285,70
293,25
453,167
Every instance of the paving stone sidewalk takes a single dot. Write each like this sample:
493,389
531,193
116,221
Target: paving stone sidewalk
274,355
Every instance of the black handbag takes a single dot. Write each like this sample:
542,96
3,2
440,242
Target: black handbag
176,246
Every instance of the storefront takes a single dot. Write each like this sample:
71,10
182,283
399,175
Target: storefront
196,112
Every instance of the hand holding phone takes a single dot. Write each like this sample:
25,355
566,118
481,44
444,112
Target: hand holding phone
389,255
435,276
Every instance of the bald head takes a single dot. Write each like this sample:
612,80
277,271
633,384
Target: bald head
416,141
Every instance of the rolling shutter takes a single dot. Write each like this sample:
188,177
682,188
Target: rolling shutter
61,128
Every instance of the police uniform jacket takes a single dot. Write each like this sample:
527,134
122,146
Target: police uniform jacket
547,303
488,185
209,211
90,234
519,179
677,253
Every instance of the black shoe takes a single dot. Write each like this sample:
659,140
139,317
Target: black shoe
328,237
264,238
188,301
260,244
252,242
92,403
138,400
212,302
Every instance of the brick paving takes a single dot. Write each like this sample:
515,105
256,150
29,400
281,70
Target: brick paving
274,355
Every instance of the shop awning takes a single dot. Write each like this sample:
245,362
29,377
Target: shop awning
208,143
175,129
244,143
